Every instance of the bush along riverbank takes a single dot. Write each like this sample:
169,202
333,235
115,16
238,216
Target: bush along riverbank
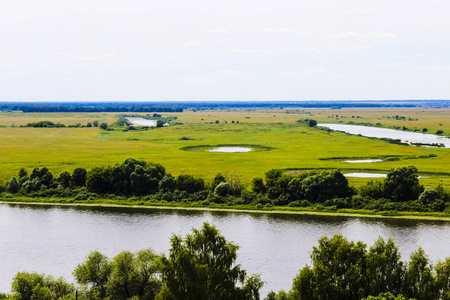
202,265
141,183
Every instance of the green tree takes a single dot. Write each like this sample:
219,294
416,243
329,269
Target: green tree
64,179
34,286
22,173
202,266
222,189
95,123
387,296
428,196
98,180
219,178
258,185
312,123
103,126
13,186
338,272
385,271
442,271
402,184
419,277
134,275
93,274
79,177
324,186
159,123
167,184
190,184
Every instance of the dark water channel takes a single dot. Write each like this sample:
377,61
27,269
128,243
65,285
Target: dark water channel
53,240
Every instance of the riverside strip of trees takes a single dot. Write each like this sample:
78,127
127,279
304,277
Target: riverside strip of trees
201,266
135,180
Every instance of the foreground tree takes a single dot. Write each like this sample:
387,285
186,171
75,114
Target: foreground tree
336,273
93,275
387,296
30,286
385,271
202,266
134,275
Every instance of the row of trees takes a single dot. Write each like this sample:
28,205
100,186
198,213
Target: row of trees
90,108
400,190
202,266
343,269
199,266
50,124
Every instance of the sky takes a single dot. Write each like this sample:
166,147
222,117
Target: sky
254,50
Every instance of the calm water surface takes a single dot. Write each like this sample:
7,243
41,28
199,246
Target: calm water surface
404,136
53,240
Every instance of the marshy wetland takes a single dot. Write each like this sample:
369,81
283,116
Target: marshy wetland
292,145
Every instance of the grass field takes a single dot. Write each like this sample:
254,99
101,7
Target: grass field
296,146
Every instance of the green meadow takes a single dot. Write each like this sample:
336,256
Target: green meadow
293,146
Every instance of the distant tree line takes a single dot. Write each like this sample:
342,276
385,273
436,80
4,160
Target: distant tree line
202,266
142,181
179,106
91,108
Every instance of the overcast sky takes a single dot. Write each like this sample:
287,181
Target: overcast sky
91,50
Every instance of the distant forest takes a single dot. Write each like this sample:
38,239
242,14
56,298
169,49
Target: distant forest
179,106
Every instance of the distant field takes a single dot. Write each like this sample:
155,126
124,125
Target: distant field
296,146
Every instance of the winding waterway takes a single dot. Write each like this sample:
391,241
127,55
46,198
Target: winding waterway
53,240
377,132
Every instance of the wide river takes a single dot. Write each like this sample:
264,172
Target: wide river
377,132
53,240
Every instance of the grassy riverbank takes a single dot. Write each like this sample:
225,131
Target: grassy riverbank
323,211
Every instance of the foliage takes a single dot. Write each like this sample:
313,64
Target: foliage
336,272
312,123
387,296
346,270
13,185
134,275
402,184
79,177
189,183
30,286
201,266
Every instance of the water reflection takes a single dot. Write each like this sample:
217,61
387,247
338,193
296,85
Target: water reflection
54,239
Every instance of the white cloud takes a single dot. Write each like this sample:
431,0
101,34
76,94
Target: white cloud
217,31
281,30
359,12
192,44
260,51
354,35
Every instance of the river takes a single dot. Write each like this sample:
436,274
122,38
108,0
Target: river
377,132
54,239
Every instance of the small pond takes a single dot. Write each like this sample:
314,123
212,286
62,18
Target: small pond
365,175
142,122
230,149
412,138
358,161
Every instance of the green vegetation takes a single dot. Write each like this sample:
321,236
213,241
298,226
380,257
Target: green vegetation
343,269
295,146
150,184
199,266
202,265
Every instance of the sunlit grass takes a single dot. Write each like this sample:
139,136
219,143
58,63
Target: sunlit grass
296,146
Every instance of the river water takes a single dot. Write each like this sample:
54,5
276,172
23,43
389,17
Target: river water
404,136
53,240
